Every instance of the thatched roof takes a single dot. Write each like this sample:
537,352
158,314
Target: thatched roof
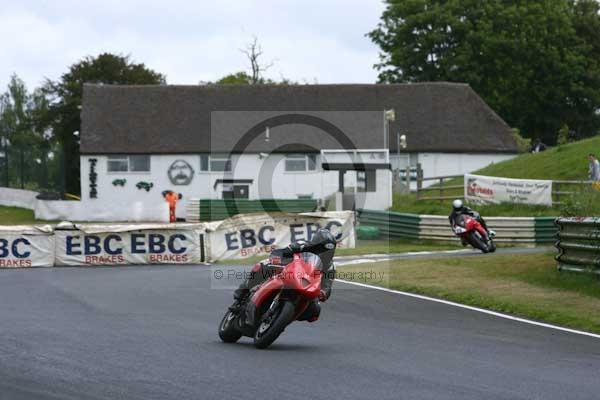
436,117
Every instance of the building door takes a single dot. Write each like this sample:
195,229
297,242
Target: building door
241,191
236,192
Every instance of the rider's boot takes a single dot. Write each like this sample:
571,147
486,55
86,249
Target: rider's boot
490,236
240,293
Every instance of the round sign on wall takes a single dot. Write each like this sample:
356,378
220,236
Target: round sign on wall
180,173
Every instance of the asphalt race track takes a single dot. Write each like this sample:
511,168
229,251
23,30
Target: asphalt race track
150,333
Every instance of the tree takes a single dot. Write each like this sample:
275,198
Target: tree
253,52
65,101
22,137
586,22
531,61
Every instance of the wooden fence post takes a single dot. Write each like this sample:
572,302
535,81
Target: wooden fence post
419,180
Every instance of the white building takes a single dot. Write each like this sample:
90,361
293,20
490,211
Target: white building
282,142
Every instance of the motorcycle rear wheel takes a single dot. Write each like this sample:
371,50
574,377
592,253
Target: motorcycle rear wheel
227,329
273,324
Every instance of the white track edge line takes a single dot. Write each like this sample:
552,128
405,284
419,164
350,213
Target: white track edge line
477,309
406,254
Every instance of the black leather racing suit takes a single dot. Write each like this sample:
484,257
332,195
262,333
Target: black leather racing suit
322,244
466,211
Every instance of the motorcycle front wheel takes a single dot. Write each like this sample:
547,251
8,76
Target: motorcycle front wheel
227,329
478,243
273,323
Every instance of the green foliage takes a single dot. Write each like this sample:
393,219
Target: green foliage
523,144
25,140
242,78
563,135
237,78
583,203
537,63
65,96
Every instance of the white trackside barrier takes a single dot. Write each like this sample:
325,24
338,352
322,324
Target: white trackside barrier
239,237
26,246
60,210
131,244
247,235
17,198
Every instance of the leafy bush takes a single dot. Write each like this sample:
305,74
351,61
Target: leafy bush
563,135
523,144
584,203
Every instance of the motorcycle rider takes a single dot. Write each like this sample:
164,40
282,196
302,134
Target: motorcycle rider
322,244
458,208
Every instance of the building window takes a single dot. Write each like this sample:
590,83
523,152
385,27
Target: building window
139,163
300,162
215,163
124,163
366,181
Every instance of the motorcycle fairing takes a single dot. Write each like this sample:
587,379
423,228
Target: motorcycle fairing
265,292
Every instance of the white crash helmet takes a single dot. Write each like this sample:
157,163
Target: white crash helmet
457,204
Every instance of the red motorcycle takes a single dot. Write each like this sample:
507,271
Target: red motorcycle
273,305
472,232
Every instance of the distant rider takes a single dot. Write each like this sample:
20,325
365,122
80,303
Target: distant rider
322,244
458,208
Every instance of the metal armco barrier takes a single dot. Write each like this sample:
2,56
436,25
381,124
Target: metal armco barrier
206,210
578,244
391,225
527,230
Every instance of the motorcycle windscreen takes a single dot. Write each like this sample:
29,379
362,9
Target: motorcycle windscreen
313,259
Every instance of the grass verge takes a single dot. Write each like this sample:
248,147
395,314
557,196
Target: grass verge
524,285
17,216
395,246
409,204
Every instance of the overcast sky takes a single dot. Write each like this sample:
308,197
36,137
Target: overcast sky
192,41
